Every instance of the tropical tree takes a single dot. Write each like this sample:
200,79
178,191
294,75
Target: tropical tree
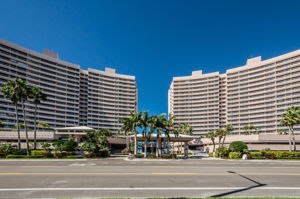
170,129
289,119
160,123
2,124
144,122
37,97
43,125
212,136
221,133
10,91
185,129
228,129
249,129
23,92
129,125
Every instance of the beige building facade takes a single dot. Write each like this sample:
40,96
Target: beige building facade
76,97
257,93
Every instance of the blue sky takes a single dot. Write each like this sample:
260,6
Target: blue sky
154,40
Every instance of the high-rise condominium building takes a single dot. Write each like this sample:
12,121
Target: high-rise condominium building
257,93
90,97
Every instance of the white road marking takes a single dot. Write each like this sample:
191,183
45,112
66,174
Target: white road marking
145,188
77,164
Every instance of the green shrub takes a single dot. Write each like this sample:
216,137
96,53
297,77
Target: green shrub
38,152
139,155
166,156
7,149
257,155
46,146
34,156
20,152
104,152
238,146
152,156
74,156
270,155
58,154
120,153
211,154
69,145
222,152
16,156
234,155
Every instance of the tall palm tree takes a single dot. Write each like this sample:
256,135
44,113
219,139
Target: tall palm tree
144,122
212,136
130,124
228,129
23,91
249,129
2,124
37,97
160,126
43,125
289,119
220,133
170,129
10,90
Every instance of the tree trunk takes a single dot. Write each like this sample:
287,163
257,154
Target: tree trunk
34,135
26,133
18,128
223,141
145,147
157,147
135,142
294,141
290,139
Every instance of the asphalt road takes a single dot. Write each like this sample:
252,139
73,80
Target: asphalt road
153,178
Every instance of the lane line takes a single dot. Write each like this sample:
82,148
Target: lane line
157,173
143,188
200,167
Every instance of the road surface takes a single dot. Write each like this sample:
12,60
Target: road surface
117,177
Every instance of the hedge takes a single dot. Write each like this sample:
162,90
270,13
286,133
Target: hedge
139,155
74,156
166,156
152,156
257,155
24,156
234,155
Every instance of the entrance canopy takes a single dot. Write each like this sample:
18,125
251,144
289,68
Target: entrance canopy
173,138
77,130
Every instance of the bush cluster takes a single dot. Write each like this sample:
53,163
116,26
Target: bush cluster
235,155
166,156
274,155
139,155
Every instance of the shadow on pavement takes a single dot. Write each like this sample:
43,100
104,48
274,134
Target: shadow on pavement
257,184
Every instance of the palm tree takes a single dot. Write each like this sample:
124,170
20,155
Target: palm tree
37,96
289,119
160,123
9,91
228,130
2,124
130,124
249,129
43,125
212,135
170,128
144,122
23,92
220,134
185,129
